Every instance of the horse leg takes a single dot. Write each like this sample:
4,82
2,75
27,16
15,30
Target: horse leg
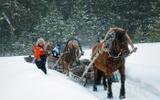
99,76
110,95
104,82
95,79
67,69
122,89
63,68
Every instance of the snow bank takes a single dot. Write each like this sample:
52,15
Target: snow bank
23,81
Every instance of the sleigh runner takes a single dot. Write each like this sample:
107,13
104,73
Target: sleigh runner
76,72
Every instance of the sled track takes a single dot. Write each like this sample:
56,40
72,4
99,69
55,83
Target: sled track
134,88
143,88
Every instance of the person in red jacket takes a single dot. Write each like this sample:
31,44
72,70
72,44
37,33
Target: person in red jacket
39,54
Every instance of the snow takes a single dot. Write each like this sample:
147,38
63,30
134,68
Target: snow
24,81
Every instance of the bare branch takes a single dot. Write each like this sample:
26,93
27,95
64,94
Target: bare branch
8,21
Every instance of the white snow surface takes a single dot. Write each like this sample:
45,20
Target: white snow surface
24,81
20,80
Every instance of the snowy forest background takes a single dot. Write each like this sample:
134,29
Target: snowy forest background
23,21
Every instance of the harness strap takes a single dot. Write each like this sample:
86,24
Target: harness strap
59,59
96,56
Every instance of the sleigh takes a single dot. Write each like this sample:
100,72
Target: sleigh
77,70
29,59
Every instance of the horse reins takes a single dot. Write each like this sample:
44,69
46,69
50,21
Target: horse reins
114,57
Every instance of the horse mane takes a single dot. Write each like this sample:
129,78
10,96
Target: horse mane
115,43
71,39
71,54
71,50
96,48
119,33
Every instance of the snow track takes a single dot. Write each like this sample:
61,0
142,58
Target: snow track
135,90
140,88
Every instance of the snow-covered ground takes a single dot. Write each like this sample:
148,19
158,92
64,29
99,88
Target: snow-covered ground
23,81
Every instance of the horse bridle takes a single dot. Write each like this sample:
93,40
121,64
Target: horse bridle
120,54
114,57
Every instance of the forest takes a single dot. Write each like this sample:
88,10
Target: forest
23,21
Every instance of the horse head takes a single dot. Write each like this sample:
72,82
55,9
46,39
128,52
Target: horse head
73,49
117,43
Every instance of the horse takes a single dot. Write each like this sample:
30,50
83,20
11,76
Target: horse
110,58
70,55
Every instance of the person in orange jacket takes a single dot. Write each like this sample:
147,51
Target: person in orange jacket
39,54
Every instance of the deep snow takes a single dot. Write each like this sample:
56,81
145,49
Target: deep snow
23,81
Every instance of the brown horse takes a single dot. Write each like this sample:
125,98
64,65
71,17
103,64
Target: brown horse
110,59
70,55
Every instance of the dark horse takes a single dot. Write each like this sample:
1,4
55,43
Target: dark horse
110,59
71,54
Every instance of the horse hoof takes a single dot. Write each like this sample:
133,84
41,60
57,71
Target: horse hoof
105,88
110,96
122,97
83,83
95,89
